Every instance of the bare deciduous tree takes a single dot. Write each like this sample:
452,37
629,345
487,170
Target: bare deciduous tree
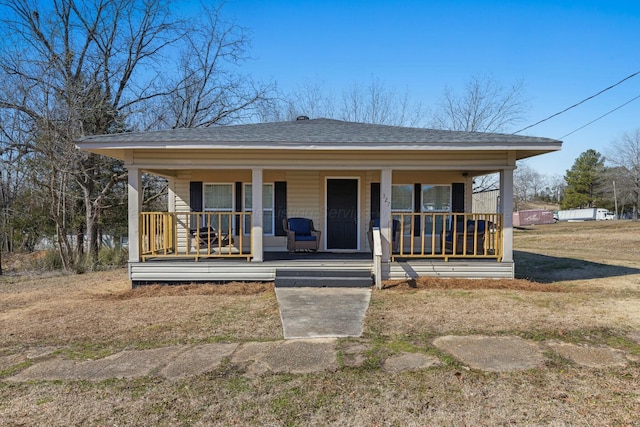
371,103
523,178
71,69
209,89
68,71
624,155
483,106
555,187
377,103
23,218
311,99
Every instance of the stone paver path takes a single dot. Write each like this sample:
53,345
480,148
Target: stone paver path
493,354
304,356
589,356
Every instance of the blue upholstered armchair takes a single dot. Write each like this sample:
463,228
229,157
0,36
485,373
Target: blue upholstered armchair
301,235
476,229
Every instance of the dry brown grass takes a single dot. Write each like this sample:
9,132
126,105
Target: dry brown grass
425,283
578,282
585,287
155,291
101,310
610,242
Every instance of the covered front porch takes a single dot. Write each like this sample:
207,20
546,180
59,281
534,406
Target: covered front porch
397,199
200,235
218,247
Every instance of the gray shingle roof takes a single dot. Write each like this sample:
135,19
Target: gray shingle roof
316,131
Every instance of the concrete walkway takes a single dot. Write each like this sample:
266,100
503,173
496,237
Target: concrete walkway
323,312
484,353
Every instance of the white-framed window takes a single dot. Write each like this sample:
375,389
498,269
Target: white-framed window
218,197
436,199
268,225
402,202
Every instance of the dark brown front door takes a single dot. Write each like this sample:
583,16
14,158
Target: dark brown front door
342,214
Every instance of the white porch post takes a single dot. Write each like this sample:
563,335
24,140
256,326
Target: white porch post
256,216
506,208
386,176
171,195
468,194
134,196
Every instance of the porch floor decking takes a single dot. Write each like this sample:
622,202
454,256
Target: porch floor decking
182,270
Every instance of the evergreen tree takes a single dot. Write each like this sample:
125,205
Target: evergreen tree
583,181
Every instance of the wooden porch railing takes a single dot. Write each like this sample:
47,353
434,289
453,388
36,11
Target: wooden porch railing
195,235
448,235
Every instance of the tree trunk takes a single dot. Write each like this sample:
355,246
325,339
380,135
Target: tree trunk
79,241
92,234
92,213
64,248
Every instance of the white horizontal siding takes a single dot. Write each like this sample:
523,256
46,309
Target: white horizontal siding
224,271
450,269
486,201
303,196
182,202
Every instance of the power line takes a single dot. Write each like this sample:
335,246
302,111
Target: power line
581,102
604,115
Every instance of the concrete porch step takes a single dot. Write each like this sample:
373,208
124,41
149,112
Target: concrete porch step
298,278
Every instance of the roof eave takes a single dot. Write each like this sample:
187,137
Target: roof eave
454,146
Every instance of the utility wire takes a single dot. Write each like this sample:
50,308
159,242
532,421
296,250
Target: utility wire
581,102
604,115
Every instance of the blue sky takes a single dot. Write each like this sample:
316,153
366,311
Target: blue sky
563,51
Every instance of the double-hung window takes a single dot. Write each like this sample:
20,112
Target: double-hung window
267,208
436,199
402,202
218,198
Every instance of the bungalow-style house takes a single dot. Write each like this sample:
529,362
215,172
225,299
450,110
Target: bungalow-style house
245,201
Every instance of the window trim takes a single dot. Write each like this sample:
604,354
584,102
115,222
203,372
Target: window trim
410,209
436,185
233,202
204,191
445,225
407,225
